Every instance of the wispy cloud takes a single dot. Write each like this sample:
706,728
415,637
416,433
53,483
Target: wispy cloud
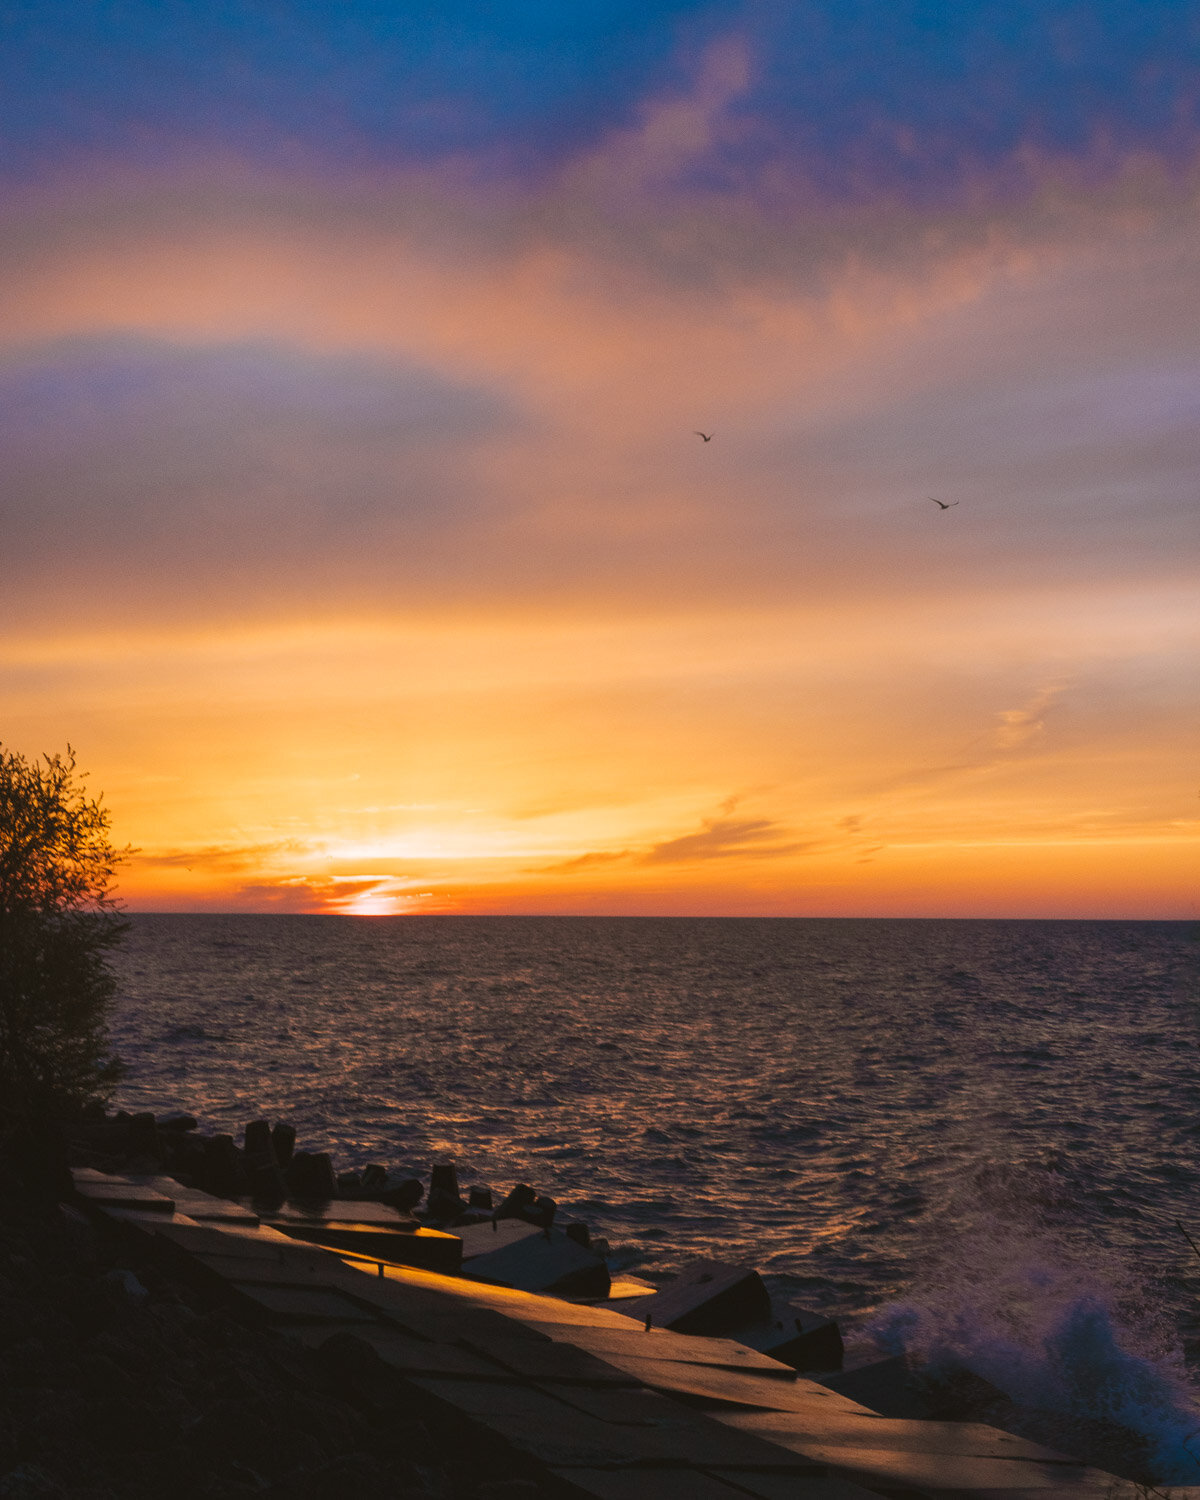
1015,732
223,859
718,838
1020,727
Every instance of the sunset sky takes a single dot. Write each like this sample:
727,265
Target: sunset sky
356,531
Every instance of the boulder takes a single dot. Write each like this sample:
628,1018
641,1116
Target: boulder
222,1173
405,1196
144,1140
257,1138
283,1140
310,1175
518,1203
262,1170
444,1202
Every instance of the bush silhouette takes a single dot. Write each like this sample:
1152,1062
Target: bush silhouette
58,923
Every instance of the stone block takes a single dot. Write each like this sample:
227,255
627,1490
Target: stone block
874,1464
221,1172
404,1197
805,1340
518,1202
545,1261
708,1296
144,1138
405,1354
632,1341
887,1386
203,1207
793,1487
583,1441
493,1234
120,1192
647,1484
850,1429
496,1398
430,1249
627,1406
256,1139
537,1359
283,1143
302,1304
310,1177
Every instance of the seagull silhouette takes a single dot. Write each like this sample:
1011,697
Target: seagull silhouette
707,436
943,504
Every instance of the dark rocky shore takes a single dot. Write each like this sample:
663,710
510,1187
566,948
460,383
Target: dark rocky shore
121,1381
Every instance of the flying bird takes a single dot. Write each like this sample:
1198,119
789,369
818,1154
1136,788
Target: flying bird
707,436
943,503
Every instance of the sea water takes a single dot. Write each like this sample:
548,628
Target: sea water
967,1140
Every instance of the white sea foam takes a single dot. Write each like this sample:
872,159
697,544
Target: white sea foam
1012,1296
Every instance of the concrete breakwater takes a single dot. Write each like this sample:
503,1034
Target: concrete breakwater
569,1398
514,1239
371,1219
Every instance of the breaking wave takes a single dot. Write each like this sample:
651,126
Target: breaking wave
1061,1329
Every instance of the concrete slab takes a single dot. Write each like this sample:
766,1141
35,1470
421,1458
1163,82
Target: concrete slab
623,1288
805,1340
227,1239
429,1316
719,1388
297,1305
496,1399
197,1205
284,1273
116,1192
496,1234
645,1484
585,1442
628,1406
544,1261
534,1359
526,1307
1113,1489
708,1296
798,1486
429,1249
958,1439
658,1343
405,1355
936,1471
356,1210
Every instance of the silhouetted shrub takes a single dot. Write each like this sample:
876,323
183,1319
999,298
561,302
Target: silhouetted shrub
58,923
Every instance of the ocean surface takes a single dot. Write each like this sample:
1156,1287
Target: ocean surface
964,1139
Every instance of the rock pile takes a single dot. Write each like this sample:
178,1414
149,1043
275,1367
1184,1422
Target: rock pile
511,1241
268,1168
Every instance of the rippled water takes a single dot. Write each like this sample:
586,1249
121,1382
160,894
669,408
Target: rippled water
888,1117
